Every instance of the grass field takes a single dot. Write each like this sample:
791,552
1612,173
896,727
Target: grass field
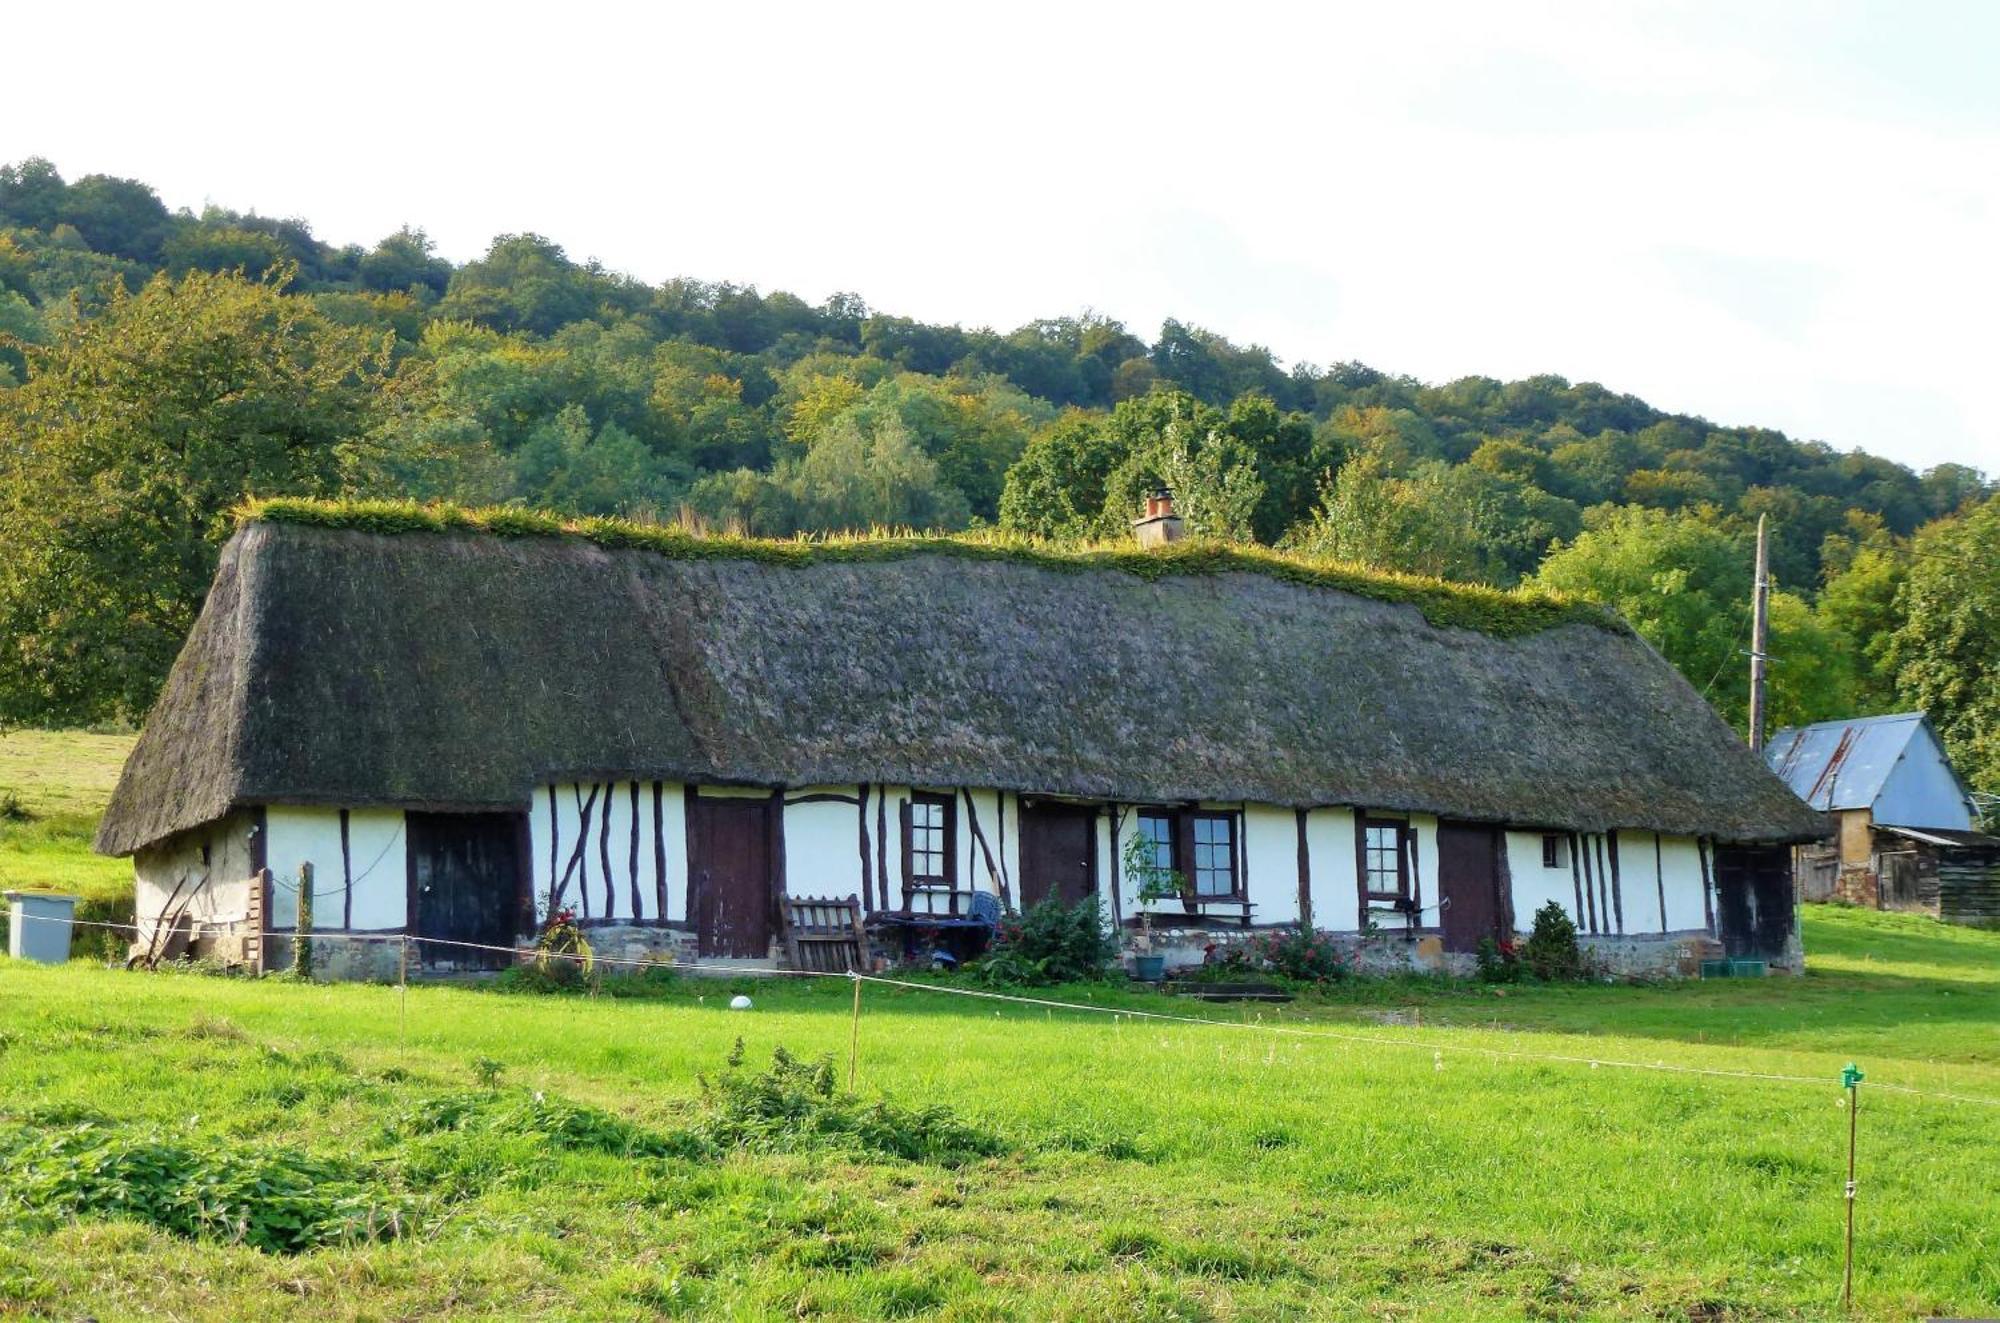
555,1156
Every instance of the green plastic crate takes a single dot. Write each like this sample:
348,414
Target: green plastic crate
1715,968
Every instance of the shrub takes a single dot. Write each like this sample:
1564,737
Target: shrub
1051,943
1300,955
1551,952
1499,961
562,953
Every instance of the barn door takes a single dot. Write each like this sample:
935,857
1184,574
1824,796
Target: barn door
1471,906
1058,853
729,876
1753,896
467,885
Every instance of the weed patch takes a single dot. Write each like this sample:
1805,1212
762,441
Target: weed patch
278,1200
793,1107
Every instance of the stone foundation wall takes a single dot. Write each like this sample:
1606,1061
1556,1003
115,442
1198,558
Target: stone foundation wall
1380,955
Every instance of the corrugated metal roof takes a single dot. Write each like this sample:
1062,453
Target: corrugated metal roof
1834,765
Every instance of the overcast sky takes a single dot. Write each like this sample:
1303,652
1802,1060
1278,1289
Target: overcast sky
1782,214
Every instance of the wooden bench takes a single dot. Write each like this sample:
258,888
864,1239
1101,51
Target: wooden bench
825,935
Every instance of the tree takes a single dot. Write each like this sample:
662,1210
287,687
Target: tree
1858,608
1946,652
1056,488
1429,523
1680,579
138,430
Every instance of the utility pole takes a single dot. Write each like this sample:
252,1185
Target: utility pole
1760,637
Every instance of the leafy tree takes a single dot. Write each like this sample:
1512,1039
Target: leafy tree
1859,612
405,260
1946,651
1057,488
1683,582
1429,523
140,428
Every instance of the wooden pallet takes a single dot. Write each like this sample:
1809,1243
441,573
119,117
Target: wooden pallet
825,935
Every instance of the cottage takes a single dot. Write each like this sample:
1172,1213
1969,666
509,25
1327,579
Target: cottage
463,721
1905,826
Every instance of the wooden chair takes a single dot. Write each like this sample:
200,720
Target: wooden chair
825,935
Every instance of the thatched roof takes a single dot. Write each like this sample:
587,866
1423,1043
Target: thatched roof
459,669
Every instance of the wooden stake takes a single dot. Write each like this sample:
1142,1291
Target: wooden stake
854,1037
403,993
1851,1077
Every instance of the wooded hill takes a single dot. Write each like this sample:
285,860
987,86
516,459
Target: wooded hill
157,366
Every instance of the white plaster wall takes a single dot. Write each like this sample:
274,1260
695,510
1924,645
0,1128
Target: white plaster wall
216,891
823,845
1271,863
377,856
561,828
1680,864
1330,852
1535,886
976,870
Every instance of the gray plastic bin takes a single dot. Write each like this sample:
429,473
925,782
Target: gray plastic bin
38,926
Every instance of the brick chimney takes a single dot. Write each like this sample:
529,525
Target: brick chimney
1159,525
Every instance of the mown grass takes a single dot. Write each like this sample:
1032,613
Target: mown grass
1139,1170
53,786
1146,1170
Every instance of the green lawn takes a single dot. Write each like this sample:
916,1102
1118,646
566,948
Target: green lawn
53,784
1143,1170
1149,1170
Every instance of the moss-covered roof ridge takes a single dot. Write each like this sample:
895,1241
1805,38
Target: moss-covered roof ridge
1504,613
335,663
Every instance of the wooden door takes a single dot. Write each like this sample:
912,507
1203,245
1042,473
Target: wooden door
729,876
1058,853
1472,907
1754,900
467,884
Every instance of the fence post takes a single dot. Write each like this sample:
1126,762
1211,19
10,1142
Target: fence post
1850,1079
854,1035
302,955
403,992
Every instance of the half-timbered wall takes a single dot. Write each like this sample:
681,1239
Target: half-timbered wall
1615,883
360,867
207,871
612,851
617,852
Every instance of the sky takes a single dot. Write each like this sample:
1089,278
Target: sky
1760,212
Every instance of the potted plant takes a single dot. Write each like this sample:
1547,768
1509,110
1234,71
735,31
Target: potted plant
1154,883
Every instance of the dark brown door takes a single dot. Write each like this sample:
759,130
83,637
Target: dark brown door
1753,900
1469,885
466,886
1058,854
729,876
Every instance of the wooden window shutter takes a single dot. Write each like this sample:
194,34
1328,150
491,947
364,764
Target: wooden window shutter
1184,853
903,813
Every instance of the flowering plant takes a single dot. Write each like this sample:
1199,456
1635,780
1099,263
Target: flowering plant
562,949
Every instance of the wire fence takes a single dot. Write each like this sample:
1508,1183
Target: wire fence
1435,1041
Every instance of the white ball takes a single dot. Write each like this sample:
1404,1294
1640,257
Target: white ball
739,1003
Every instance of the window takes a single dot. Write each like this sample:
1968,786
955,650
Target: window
1385,862
1157,829
927,843
1555,852
1214,854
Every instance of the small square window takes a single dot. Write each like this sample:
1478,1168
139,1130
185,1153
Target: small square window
1214,854
1385,849
927,840
1555,852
